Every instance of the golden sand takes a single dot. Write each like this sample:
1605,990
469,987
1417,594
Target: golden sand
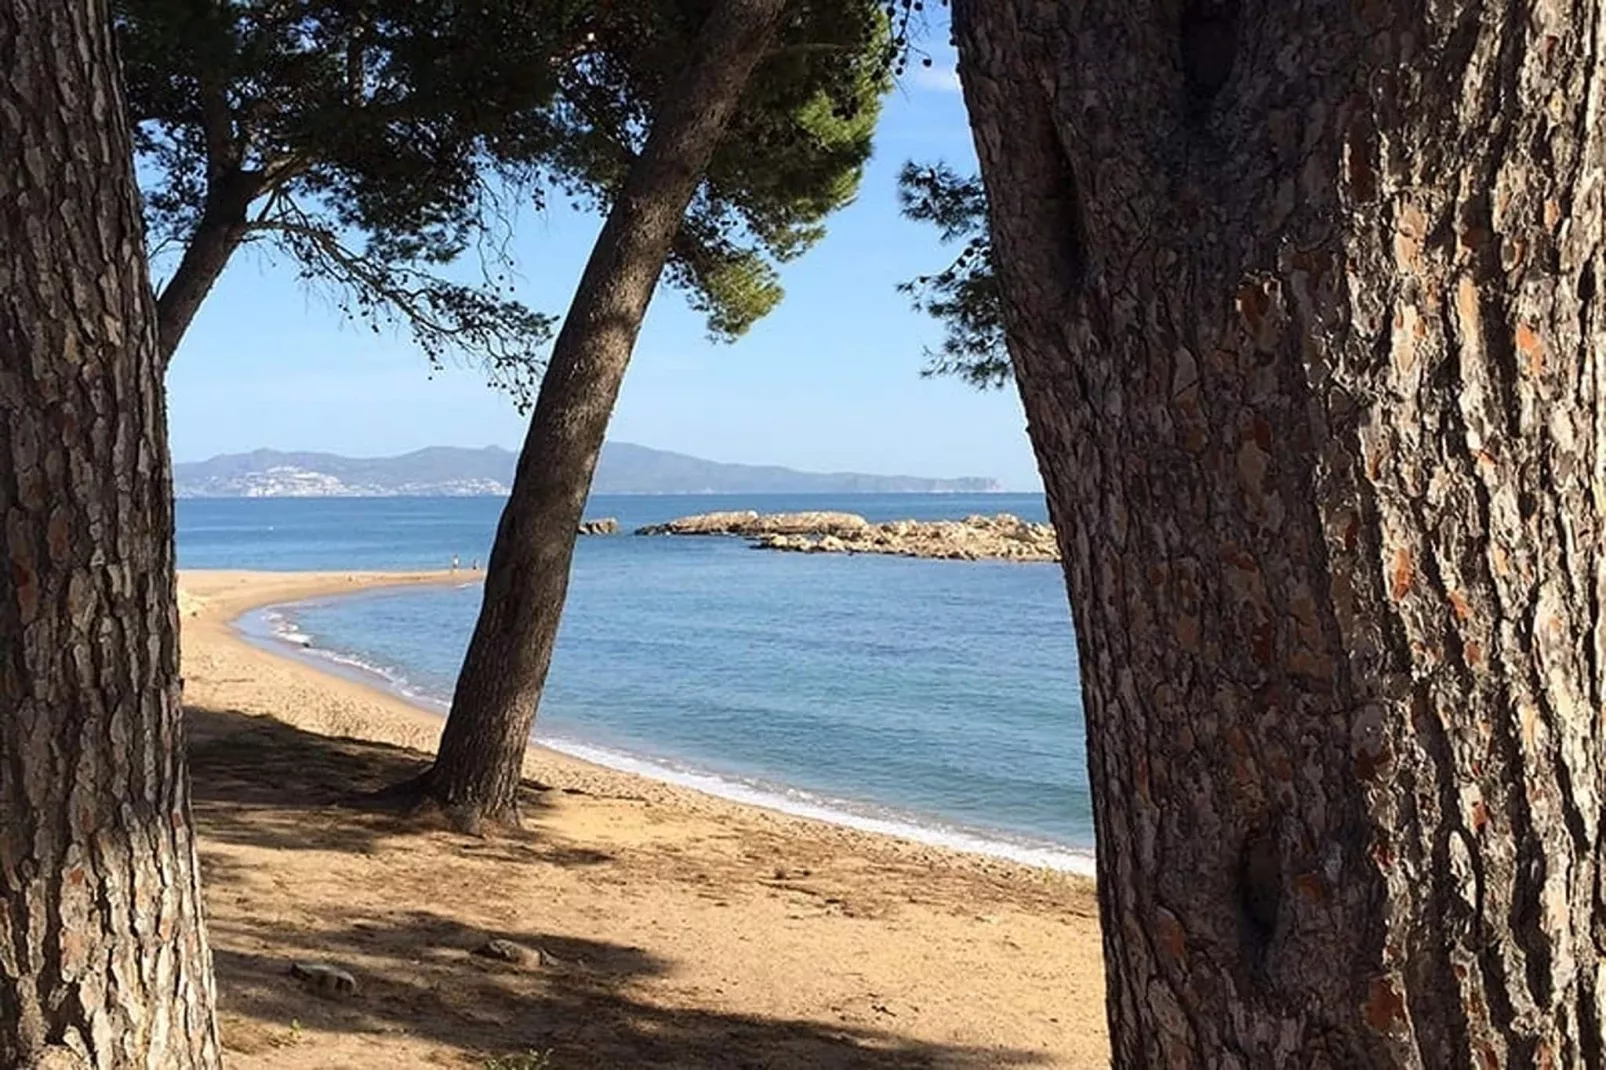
658,926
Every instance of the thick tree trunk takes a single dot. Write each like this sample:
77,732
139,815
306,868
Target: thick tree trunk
1305,304
103,962
476,773
222,227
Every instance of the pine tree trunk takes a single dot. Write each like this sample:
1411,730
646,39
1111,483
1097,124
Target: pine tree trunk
1305,304
218,234
103,961
476,773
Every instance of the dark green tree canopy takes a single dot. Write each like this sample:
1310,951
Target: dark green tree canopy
964,296
383,146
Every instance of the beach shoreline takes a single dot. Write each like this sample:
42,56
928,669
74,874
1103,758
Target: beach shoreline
253,621
822,944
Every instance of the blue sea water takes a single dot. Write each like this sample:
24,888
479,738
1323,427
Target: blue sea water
937,699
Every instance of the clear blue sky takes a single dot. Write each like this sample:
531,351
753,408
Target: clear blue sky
829,381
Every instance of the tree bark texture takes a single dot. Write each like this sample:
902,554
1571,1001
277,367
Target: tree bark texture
1304,298
477,771
103,960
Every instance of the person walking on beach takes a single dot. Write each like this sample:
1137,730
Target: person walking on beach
454,562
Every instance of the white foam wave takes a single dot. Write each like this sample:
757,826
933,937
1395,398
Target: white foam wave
800,803
389,678
273,625
284,629
281,629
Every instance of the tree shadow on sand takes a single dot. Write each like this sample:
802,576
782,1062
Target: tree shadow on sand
264,784
571,997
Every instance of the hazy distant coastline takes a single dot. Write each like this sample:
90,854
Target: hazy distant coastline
449,471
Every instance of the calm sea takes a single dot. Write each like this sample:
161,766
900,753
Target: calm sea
934,699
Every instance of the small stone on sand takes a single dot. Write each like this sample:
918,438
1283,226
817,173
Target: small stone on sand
324,978
504,951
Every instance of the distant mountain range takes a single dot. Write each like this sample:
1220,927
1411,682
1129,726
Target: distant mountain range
452,471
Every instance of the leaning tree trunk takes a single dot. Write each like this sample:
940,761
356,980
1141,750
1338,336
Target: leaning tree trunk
476,773
218,233
103,962
1305,303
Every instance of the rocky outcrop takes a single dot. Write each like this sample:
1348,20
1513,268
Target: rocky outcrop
753,525
730,523
976,538
605,526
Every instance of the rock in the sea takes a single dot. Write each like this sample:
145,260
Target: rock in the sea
1003,537
754,525
324,979
605,526
727,523
812,523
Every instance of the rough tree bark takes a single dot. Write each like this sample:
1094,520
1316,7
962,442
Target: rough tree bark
103,961
476,773
1304,299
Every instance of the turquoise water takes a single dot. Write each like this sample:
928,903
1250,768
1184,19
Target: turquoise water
932,698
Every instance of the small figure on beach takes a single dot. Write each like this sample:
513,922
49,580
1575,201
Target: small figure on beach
474,565
454,562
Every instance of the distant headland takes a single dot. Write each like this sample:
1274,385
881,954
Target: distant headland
450,471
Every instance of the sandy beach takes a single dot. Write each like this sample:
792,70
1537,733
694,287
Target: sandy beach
659,926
